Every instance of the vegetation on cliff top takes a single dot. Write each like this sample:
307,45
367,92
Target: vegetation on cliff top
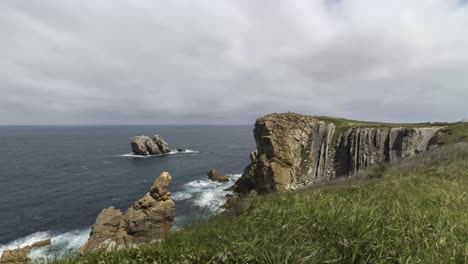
415,211
452,133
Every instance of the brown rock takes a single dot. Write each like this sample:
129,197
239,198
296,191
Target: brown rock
162,144
16,256
147,220
295,150
104,230
42,243
161,185
215,175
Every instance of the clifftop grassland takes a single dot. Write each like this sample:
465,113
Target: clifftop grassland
412,211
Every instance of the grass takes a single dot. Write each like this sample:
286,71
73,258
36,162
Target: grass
415,211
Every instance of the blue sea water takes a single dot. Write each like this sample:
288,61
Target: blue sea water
54,180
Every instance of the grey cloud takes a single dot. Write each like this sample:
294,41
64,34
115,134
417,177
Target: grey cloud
228,62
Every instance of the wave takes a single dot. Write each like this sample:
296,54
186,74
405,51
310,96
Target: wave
64,244
187,151
206,194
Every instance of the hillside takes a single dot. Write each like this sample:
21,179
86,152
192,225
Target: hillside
412,211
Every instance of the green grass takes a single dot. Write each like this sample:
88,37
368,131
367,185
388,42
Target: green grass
415,211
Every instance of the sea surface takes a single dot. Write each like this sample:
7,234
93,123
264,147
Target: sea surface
54,180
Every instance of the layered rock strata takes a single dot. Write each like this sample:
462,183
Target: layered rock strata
147,221
296,150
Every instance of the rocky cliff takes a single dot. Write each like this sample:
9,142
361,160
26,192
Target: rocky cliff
296,150
148,220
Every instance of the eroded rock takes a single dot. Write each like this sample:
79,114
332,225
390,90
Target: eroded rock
296,150
215,175
16,256
144,145
147,220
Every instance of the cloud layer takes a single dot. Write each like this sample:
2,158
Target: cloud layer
228,62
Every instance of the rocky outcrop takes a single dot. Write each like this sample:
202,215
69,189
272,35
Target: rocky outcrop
215,175
144,145
21,255
296,150
148,220
16,256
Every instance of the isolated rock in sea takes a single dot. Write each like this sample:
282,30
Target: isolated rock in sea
215,175
16,256
296,150
148,220
144,145
181,150
152,148
139,145
162,144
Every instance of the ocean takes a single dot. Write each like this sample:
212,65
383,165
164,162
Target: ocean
54,180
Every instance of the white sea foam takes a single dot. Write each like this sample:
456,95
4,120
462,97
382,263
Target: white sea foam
210,195
62,244
173,152
181,196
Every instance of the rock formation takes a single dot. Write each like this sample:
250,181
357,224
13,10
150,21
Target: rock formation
16,256
148,220
215,175
296,150
21,255
144,145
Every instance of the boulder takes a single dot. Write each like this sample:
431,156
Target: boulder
42,243
104,231
162,144
152,147
181,150
215,175
147,220
138,144
16,256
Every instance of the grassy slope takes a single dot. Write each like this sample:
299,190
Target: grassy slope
417,212
454,132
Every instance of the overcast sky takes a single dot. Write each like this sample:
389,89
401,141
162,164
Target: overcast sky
229,62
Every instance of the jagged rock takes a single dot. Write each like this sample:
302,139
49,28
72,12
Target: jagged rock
147,220
162,144
296,150
161,185
42,243
215,175
152,148
103,233
144,145
139,145
16,256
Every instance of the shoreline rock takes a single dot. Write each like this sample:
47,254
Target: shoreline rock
215,175
147,220
21,255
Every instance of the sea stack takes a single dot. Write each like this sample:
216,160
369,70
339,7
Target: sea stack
147,221
144,145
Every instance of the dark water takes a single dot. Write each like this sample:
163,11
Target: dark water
55,180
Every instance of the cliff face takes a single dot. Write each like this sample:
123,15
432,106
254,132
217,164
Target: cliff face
296,150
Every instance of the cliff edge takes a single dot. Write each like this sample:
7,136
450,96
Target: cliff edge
295,150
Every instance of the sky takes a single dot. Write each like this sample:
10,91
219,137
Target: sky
85,62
